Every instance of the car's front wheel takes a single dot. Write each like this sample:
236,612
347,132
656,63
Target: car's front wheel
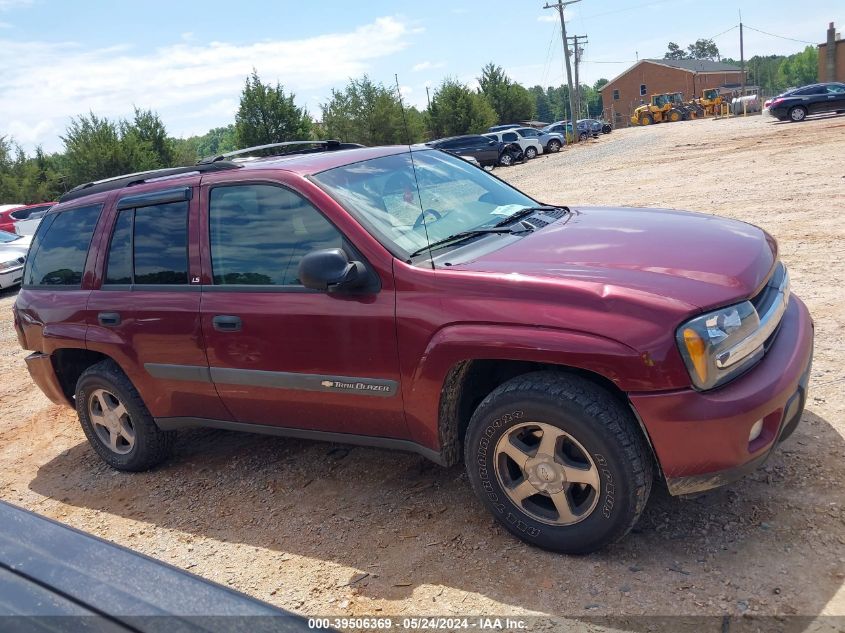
554,146
116,422
798,114
558,461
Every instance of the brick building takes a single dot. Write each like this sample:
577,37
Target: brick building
832,57
656,76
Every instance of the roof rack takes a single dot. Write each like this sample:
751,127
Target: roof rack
127,180
317,146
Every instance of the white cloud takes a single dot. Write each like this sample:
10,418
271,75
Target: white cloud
426,65
42,84
548,17
8,5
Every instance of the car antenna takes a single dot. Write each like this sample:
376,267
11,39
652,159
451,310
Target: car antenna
413,165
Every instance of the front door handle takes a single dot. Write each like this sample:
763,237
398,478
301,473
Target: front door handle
108,319
226,323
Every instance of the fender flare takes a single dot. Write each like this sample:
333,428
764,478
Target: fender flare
457,344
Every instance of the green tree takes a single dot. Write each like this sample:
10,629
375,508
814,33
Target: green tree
147,136
369,113
27,180
93,149
455,109
510,100
675,52
268,115
703,49
799,69
542,105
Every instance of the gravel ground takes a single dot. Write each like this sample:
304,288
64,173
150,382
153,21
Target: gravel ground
331,530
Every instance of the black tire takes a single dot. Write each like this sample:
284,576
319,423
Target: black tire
797,114
583,136
606,129
530,152
553,146
605,430
151,445
506,160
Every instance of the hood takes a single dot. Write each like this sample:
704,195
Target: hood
701,260
18,248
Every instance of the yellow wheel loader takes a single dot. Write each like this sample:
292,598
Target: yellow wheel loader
662,108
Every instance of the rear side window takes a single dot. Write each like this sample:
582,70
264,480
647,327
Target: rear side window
510,137
259,233
60,248
149,245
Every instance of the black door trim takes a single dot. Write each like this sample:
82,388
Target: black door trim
357,385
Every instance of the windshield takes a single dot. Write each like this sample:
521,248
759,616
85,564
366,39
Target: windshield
6,237
388,195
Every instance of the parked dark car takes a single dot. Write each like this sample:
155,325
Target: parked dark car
511,153
796,105
401,298
486,151
56,578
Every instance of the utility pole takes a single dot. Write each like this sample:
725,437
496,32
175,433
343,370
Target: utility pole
428,96
741,58
578,51
560,6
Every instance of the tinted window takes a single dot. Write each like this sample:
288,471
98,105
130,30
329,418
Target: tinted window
510,137
836,89
259,233
529,133
643,90
60,248
119,266
813,90
616,95
160,244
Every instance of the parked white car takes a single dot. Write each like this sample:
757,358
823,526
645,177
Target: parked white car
13,249
531,146
28,226
550,141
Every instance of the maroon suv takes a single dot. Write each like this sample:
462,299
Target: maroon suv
409,300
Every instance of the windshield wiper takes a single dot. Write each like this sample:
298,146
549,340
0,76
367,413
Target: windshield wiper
464,235
524,213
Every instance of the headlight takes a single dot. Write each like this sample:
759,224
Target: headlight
9,265
704,340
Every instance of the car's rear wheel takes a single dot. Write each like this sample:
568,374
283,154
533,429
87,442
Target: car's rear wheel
116,422
559,462
798,114
554,146
583,136
506,160
530,152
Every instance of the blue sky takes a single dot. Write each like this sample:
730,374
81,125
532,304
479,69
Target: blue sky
188,60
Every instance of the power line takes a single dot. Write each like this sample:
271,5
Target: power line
783,37
735,26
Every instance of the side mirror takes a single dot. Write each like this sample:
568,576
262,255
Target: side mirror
330,270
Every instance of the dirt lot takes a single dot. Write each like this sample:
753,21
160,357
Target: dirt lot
325,529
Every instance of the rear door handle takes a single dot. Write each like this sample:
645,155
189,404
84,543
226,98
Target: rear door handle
108,319
226,323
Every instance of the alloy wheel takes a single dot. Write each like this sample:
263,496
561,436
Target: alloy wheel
111,421
547,473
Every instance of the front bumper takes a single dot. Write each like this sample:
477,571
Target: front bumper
701,438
